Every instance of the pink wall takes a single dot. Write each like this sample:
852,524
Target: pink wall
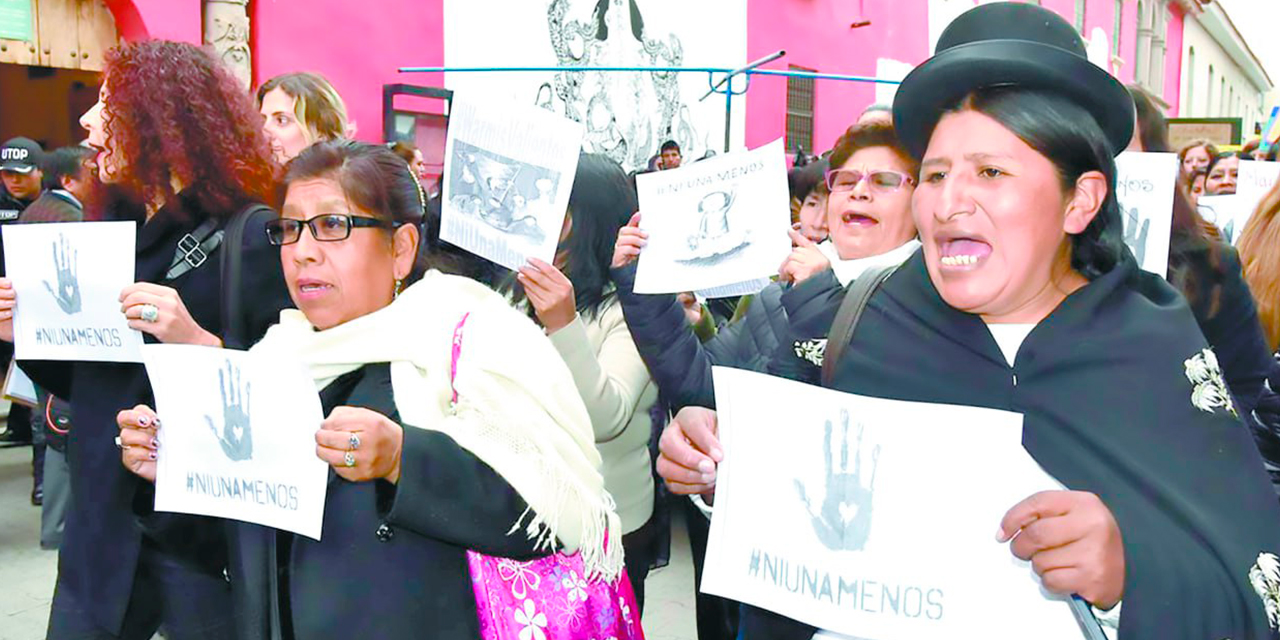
1173,60
816,35
356,48
157,19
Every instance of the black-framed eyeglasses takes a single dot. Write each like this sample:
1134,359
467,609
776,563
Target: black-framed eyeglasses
330,227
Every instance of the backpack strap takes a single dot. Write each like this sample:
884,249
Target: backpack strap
194,249
234,325
856,297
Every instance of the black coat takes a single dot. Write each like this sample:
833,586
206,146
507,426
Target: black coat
1104,386
99,553
678,361
392,560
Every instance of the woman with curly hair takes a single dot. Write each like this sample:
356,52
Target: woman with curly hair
182,150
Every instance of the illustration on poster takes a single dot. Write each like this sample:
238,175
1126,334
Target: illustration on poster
505,194
651,110
67,293
844,521
236,437
717,238
1136,229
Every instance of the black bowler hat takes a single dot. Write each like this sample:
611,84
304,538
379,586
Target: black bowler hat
1009,44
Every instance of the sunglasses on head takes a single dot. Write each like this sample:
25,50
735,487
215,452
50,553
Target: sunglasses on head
330,227
883,181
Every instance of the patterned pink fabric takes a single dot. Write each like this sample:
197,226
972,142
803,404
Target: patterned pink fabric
549,599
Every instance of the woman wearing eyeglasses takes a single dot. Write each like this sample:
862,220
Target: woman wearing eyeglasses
868,207
453,426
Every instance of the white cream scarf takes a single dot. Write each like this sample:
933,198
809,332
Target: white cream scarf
518,409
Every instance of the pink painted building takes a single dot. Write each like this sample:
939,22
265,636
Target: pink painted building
359,49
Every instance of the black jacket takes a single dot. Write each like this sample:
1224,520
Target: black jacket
1105,385
392,560
678,361
98,556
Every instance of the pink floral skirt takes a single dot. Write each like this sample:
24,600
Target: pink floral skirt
550,599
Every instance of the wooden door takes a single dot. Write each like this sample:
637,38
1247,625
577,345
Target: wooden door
67,34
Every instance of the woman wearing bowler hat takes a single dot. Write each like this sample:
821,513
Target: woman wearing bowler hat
1024,298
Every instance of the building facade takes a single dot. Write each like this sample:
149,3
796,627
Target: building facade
1220,76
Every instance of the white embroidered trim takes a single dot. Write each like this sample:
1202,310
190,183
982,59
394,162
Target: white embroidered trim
1265,578
1209,391
811,350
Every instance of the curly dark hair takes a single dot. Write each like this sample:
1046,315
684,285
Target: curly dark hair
173,111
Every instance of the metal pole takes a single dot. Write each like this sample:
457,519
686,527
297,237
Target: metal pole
744,69
728,113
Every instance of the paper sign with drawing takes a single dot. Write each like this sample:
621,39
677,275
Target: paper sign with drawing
508,175
721,221
68,278
836,525
238,439
1145,184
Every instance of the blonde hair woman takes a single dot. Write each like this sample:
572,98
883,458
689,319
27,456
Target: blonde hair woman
300,109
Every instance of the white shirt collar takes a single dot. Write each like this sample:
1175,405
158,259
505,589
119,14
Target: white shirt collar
848,270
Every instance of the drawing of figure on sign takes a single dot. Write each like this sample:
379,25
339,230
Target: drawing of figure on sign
1135,233
505,194
717,238
843,522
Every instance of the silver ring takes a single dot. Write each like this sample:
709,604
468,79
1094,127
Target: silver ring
119,445
150,313
354,442
349,459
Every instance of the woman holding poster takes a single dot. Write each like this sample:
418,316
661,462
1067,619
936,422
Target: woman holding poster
1025,299
181,149
458,445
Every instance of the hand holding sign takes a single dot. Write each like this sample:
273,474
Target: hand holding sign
139,448
1073,543
8,303
631,240
236,436
67,294
173,323
551,294
805,260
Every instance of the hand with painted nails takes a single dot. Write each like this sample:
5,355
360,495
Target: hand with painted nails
631,240
139,448
1073,543
689,451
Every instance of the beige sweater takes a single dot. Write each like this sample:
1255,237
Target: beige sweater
618,392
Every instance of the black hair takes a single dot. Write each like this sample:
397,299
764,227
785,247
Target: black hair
1153,129
804,180
669,145
66,161
1219,157
601,203
372,177
1068,135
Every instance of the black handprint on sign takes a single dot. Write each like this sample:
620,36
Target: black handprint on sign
235,435
64,262
1135,234
844,522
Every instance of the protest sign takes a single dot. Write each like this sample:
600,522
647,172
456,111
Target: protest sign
1145,185
508,173
717,222
68,278
837,523
238,439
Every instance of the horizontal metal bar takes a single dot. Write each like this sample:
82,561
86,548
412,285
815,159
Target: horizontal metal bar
821,76
763,72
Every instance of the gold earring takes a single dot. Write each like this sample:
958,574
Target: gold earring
399,286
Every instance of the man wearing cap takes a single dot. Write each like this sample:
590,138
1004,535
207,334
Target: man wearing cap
20,161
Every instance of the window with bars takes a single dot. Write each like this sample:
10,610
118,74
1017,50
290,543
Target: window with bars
800,103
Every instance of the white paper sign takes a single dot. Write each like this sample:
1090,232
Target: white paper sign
874,518
1228,212
734,290
68,277
716,222
1256,179
1145,184
508,174
238,437
18,387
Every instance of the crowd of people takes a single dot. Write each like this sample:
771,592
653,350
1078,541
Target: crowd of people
480,422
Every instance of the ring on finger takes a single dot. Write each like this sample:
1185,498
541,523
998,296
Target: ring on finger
149,313
349,459
120,445
353,442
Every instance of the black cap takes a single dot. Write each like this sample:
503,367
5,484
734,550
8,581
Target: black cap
1009,44
22,155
